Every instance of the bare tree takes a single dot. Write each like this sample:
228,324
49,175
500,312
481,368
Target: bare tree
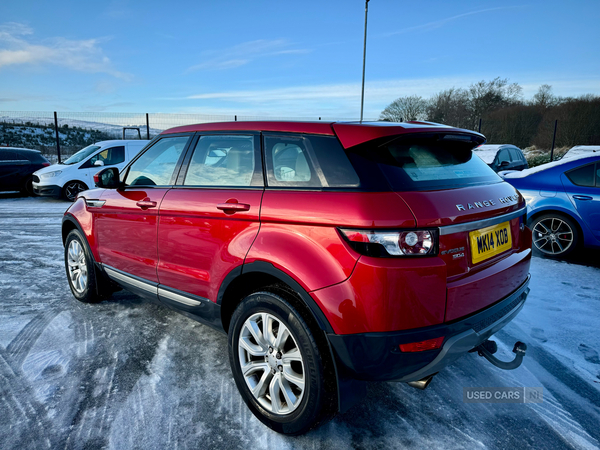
411,107
449,107
544,98
486,96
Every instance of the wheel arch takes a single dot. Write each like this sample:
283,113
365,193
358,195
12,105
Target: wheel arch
559,212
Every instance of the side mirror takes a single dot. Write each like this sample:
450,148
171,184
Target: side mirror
98,163
107,178
504,163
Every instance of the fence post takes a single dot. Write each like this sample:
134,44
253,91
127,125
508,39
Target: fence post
235,117
553,141
57,139
479,129
147,127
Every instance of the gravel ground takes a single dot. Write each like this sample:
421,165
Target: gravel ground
128,374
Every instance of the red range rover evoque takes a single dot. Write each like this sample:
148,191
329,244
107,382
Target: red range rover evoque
330,253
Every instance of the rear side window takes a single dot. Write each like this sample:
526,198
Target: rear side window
426,162
308,161
157,165
582,176
222,161
8,155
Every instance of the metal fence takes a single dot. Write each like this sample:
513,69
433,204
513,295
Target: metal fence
59,135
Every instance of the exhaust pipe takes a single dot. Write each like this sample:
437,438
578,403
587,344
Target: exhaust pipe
421,384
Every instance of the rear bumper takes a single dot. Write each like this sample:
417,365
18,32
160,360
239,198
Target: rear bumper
47,190
377,356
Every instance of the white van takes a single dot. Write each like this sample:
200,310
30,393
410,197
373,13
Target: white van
76,174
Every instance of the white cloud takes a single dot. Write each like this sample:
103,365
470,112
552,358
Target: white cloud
17,48
244,53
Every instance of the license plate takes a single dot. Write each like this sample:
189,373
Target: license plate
490,241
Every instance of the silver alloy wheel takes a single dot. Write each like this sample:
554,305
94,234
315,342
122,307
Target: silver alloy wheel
77,266
72,189
271,363
552,236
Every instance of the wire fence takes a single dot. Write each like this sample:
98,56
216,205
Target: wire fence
76,130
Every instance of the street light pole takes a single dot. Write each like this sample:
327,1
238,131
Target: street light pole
362,95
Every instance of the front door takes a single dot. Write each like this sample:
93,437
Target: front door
127,222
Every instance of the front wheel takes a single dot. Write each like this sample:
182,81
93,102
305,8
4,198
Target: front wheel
554,235
80,269
72,188
277,365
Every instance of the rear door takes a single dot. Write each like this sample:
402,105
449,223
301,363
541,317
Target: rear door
582,185
13,166
209,220
127,218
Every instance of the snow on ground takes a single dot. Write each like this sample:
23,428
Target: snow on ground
126,373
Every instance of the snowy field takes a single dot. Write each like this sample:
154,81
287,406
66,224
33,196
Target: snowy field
129,374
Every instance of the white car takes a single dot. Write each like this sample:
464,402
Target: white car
76,174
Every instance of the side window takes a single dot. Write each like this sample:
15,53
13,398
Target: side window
582,176
8,155
597,174
109,156
289,163
503,155
157,165
515,155
222,161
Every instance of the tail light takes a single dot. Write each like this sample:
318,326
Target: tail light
384,243
429,344
46,164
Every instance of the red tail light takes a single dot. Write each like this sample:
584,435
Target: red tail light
46,164
429,344
96,178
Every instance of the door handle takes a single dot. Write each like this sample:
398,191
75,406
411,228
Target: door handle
146,203
231,208
582,197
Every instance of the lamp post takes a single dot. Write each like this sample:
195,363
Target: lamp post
362,95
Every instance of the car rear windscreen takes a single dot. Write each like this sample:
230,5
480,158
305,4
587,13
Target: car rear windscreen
426,162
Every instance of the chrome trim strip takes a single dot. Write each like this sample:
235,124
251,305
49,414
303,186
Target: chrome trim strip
476,225
178,298
95,203
135,282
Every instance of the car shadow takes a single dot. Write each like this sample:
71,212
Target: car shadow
582,257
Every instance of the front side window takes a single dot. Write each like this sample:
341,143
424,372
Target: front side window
503,156
81,155
110,156
222,161
157,165
516,155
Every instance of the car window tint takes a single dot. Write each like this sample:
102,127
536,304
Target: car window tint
109,156
222,161
582,176
8,155
333,161
289,163
157,164
598,175
503,155
515,155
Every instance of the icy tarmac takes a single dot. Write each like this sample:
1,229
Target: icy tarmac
130,374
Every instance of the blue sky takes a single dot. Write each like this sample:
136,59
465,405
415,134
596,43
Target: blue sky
284,58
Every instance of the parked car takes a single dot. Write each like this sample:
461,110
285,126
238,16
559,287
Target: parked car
502,156
563,203
582,150
330,253
68,178
17,166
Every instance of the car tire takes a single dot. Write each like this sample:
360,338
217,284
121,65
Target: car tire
554,235
72,189
27,188
283,380
79,266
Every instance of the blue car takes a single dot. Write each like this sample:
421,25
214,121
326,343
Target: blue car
563,203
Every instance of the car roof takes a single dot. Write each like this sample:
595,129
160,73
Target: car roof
349,133
119,141
21,149
582,150
574,161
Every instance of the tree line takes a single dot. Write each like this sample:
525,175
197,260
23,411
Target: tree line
506,118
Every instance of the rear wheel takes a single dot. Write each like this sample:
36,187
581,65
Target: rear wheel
277,365
27,188
72,188
554,235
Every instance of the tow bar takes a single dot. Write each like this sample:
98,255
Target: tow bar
488,348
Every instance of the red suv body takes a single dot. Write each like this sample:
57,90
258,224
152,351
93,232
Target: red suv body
376,251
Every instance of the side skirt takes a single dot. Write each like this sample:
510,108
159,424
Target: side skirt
198,308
